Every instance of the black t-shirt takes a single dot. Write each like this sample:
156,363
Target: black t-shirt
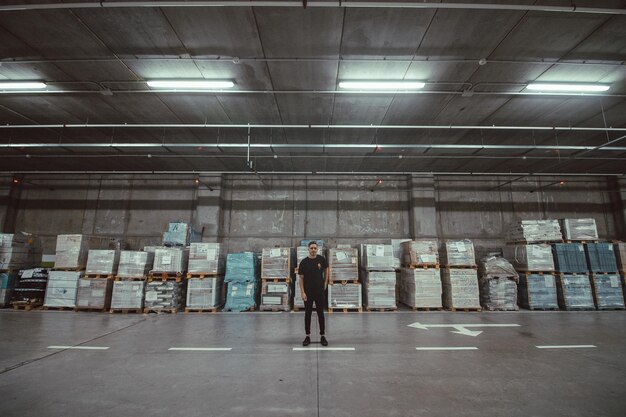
313,271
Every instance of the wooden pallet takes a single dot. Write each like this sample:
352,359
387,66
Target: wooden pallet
423,266
448,267
202,275
107,276
165,276
202,310
466,309
160,310
537,272
297,309
539,242
345,310
541,308
126,310
253,308
18,305
610,308
425,308
264,280
142,278
344,282
381,310
58,308
581,241
95,310
68,269
274,309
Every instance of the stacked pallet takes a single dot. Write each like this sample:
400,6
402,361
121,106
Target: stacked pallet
206,259
19,251
345,297
95,288
620,257
579,229
205,278
379,277
61,289
164,296
169,263
420,289
276,279
573,284
30,289
343,265
180,234
130,281
534,231
7,283
460,278
498,284
420,253
605,281
242,278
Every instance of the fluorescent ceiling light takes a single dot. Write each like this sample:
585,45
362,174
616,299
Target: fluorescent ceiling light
578,88
381,85
21,85
191,84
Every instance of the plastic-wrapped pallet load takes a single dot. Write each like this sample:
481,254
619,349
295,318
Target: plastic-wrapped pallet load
420,288
600,257
538,291
343,264
127,295
135,264
164,296
498,284
298,302
170,260
420,252
205,293
379,290
275,296
347,296
607,291
72,250
569,257
620,256
94,293
534,257
102,262
19,251
206,258
242,276
30,288
533,231
396,244
459,253
574,292
179,234
7,283
276,263
579,229
378,257
460,288
61,289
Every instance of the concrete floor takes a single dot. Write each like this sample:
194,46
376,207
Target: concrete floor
385,375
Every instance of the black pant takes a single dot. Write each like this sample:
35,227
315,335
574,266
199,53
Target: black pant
318,299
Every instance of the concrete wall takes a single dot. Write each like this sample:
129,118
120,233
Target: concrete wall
249,213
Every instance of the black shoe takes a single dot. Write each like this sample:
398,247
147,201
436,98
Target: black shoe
307,341
323,341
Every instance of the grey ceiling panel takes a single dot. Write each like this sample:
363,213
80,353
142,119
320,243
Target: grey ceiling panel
469,110
360,108
195,108
303,75
305,109
598,47
141,108
416,108
45,72
354,70
442,72
170,69
246,75
96,71
250,108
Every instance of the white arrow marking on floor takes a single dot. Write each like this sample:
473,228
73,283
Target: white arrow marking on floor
460,328
201,349
323,348
448,348
80,347
566,346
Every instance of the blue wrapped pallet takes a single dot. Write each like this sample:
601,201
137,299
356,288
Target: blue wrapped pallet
7,282
242,276
574,292
601,257
607,291
569,258
538,291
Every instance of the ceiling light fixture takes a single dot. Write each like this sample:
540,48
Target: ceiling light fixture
21,85
570,88
191,84
382,85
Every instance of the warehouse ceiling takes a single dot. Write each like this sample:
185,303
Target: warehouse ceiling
286,112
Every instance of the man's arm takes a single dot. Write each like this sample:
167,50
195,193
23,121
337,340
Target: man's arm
302,293
327,275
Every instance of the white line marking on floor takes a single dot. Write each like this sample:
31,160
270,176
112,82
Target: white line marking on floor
80,347
566,346
201,349
448,348
323,348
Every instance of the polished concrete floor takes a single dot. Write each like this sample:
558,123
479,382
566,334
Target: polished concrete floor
385,366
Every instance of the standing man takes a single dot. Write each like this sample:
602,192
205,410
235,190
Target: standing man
313,271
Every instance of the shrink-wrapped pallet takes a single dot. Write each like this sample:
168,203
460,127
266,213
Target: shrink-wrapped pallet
459,253
241,295
242,267
569,257
127,295
420,252
276,263
207,258
379,289
579,229
72,250
135,264
538,291
205,293
19,251
533,257
171,260
534,231
102,261
345,295
460,288
30,287
498,294
607,291
275,296
420,288
180,234
61,289
94,293
343,264
164,295
574,292
7,283
378,257
620,255
600,257
298,302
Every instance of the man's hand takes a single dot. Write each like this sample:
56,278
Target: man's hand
303,295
